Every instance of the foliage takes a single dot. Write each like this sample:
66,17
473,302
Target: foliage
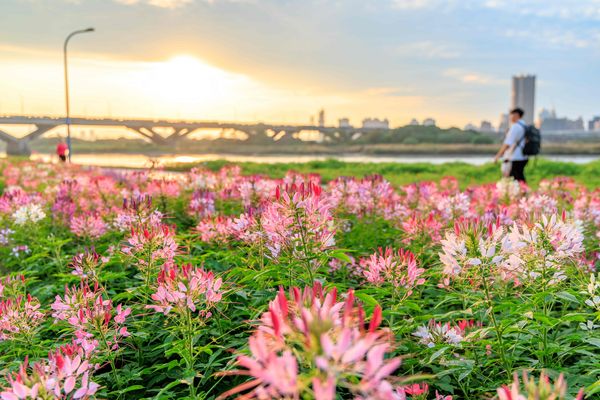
216,283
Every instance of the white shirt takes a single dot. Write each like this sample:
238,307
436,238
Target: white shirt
516,135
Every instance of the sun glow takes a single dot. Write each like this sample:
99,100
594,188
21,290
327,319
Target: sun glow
190,84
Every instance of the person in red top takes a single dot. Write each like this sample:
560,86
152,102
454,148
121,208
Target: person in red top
62,150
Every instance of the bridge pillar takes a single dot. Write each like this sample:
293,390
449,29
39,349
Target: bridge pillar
18,148
155,137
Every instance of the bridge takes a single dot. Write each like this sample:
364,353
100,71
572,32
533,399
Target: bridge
150,129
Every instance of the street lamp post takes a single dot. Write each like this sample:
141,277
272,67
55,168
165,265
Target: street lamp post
68,119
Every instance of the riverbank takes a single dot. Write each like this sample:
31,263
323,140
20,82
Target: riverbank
236,147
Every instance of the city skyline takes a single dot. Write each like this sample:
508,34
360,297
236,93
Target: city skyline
280,61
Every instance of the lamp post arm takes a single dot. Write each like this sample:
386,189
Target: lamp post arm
68,118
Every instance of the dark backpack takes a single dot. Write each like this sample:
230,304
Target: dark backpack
533,140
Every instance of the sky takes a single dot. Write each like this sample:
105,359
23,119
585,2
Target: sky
283,60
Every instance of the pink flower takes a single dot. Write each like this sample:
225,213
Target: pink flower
202,204
299,223
186,287
215,230
416,389
91,316
64,375
151,246
19,317
309,335
542,390
87,264
89,226
398,268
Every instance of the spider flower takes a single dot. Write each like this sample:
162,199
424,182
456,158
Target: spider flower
186,287
87,264
91,316
436,332
398,268
150,246
64,375
90,226
543,389
19,317
29,213
309,343
299,223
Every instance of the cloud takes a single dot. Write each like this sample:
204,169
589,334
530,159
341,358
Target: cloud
556,9
561,9
429,49
559,39
428,4
157,3
411,4
174,3
470,77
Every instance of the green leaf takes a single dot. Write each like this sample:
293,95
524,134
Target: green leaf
567,296
438,353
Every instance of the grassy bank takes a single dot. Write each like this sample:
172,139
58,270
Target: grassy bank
397,173
137,146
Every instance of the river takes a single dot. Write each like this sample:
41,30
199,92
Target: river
143,161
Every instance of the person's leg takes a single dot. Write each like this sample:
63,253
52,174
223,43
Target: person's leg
523,171
517,170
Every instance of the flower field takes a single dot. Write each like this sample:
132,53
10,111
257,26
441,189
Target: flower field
222,285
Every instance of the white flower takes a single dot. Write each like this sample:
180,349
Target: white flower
508,187
28,213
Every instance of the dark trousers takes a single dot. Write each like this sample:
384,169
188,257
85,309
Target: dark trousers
517,170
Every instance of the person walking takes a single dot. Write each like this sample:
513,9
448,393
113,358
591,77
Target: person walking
62,150
512,147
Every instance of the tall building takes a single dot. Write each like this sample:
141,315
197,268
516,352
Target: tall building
523,95
594,124
321,118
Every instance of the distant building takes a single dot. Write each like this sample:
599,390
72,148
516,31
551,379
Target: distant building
523,95
321,118
344,123
562,124
429,122
545,114
470,127
503,123
486,126
375,123
594,124
414,122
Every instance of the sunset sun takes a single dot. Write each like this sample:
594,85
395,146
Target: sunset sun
186,81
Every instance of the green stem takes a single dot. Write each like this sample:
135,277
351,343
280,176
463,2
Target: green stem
190,359
496,326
